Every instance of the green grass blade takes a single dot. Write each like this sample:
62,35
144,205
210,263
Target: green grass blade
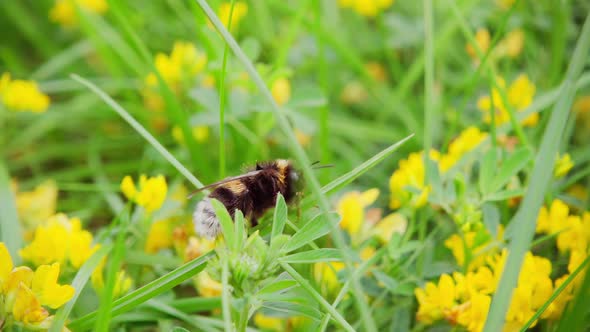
10,229
78,283
225,295
227,225
280,217
307,286
524,220
313,229
149,291
314,256
114,266
140,130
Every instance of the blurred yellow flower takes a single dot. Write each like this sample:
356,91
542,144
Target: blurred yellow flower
281,90
376,70
240,11
574,235
466,141
303,138
505,4
200,134
23,293
351,208
159,237
268,323
34,207
482,39
476,313
21,95
183,64
325,274
386,227
511,45
554,219
60,239
353,93
563,165
196,247
151,192
207,286
367,8
410,173
435,301
64,11
123,282
519,96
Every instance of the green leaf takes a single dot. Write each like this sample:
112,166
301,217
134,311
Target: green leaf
149,291
487,167
315,228
279,218
227,226
314,256
491,218
10,230
239,231
276,286
78,283
510,167
294,309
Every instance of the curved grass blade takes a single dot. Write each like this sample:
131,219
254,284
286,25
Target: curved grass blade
10,230
149,291
140,129
524,219
78,283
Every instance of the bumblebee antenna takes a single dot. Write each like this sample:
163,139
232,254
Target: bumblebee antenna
314,166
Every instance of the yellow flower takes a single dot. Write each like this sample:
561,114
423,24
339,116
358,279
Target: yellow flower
467,140
563,165
367,8
200,134
519,96
60,239
303,138
435,300
24,292
353,93
34,207
326,275
240,11
122,281
64,11
474,317
281,90
574,235
505,4
20,95
482,38
393,223
351,208
159,237
196,247
578,191
377,71
207,286
48,291
268,323
552,220
184,63
512,45
410,173
151,192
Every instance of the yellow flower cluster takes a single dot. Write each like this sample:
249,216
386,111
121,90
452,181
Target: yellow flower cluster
200,134
23,293
510,46
183,64
367,8
21,95
519,95
573,231
281,90
64,11
150,194
351,208
464,299
478,247
36,206
563,165
411,171
60,239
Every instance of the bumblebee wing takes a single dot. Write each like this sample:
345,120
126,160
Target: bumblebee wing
219,183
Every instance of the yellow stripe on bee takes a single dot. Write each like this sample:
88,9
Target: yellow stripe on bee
282,165
236,187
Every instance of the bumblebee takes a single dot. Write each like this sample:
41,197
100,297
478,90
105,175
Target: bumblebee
252,193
